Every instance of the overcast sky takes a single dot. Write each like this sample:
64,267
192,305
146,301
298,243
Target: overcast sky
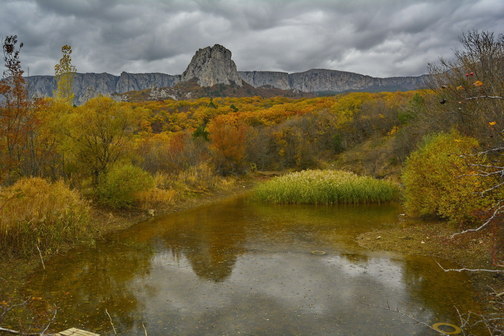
374,37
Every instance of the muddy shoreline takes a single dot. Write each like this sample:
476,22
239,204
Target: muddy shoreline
432,239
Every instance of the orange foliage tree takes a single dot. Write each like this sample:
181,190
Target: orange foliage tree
16,120
228,144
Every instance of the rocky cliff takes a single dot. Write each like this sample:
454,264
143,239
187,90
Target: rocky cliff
213,66
278,80
322,80
89,85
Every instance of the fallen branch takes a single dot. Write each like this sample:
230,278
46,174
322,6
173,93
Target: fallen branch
498,208
482,97
49,323
40,255
10,331
468,269
111,323
15,332
8,309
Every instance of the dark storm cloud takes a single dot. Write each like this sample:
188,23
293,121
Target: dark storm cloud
380,38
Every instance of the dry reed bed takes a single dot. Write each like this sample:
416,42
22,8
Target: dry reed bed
36,214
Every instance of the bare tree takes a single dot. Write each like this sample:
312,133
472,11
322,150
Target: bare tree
471,90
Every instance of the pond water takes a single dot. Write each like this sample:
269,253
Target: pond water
241,268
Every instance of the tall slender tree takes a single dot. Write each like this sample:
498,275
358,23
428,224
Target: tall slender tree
65,72
16,119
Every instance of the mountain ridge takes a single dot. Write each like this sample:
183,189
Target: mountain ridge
212,66
88,85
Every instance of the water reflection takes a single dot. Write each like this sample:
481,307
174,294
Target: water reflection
244,268
84,283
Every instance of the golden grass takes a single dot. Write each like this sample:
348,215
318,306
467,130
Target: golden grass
196,179
155,198
36,213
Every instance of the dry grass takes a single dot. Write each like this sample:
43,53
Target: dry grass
156,198
36,213
197,179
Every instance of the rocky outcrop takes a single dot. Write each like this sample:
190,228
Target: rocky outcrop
211,66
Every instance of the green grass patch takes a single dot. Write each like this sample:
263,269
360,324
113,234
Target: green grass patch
325,187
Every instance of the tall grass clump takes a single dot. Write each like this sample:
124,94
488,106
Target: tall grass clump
36,214
325,187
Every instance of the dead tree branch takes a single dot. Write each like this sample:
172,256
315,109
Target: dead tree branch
111,322
49,323
468,269
498,208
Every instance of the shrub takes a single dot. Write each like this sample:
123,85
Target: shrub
325,187
120,186
196,179
171,152
440,181
35,213
201,178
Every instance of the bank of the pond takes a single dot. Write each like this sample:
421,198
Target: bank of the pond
432,239
114,220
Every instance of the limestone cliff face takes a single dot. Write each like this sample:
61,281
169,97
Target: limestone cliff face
211,66
139,81
322,80
328,80
89,85
278,80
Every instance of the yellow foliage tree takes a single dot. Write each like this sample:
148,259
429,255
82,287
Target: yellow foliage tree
99,134
440,179
65,72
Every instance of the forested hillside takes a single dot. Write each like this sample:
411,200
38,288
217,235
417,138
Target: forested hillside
151,144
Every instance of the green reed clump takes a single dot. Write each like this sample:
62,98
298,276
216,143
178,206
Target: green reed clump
36,214
325,187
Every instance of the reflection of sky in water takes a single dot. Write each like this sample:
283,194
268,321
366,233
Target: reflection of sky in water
382,270
272,293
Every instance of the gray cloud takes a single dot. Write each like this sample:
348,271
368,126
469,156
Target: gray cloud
379,38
